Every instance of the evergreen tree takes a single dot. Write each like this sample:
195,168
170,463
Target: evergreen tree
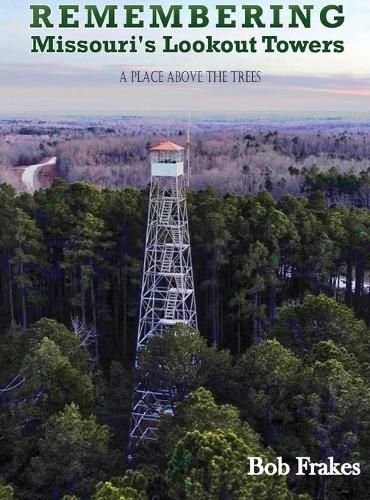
73,454
28,250
214,465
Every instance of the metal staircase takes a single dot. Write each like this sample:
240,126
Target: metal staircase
180,282
166,212
167,259
173,188
170,305
167,294
176,235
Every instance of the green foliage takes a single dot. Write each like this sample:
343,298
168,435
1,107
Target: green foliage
73,453
76,250
6,492
114,390
213,465
338,187
263,237
317,319
329,350
87,239
134,485
54,367
180,358
204,457
67,341
336,403
50,370
199,411
27,254
331,180
264,379
7,216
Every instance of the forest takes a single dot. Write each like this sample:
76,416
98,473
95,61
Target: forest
228,154
281,361
278,368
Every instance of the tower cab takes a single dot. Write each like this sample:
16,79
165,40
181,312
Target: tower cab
167,160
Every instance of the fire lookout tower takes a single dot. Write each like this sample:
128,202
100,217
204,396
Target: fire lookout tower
167,295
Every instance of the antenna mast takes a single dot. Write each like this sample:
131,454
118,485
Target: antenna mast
188,152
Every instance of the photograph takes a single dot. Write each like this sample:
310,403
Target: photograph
184,250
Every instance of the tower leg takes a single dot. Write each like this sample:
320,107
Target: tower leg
167,296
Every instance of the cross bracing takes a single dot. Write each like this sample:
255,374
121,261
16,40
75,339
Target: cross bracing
167,295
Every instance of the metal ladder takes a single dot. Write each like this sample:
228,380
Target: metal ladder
167,259
166,212
170,305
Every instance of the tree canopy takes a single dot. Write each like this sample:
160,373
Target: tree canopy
278,368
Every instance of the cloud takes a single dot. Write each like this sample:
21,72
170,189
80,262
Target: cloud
34,75
56,74
89,89
344,84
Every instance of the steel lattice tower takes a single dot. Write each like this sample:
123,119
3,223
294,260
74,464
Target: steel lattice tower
167,295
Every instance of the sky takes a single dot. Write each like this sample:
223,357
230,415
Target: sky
83,84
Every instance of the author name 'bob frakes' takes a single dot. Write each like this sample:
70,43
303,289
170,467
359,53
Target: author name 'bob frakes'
304,467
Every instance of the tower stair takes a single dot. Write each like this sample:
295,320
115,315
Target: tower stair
170,305
173,188
167,259
166,212
176,235
180,281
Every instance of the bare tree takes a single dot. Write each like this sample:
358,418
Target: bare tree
86,334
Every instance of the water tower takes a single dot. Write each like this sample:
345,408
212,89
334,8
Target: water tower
167,295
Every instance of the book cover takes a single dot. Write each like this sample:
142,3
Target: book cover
184,250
